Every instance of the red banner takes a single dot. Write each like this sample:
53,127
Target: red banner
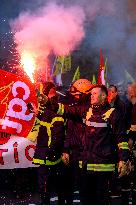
15,93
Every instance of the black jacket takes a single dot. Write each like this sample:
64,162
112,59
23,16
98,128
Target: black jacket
105,140
50,138
105,136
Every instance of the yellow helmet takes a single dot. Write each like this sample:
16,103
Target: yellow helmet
81,86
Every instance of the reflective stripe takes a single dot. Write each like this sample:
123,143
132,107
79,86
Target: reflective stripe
133,128
89,113
107,114
96,124
101,167
80,164
60,109
126,190
123,145
38,161
41,108
49,125
48,162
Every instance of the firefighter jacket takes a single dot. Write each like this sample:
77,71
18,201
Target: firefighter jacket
50,138
104,139
73,143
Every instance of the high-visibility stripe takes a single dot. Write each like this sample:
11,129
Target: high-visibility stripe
41,108
46,162
60,109
107,114
99,167
89,113
49,125
80,164
123,145
96,124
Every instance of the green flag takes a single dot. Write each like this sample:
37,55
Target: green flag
76,75
67,64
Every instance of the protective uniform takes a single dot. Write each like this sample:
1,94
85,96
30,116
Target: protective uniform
104,138
75,135
48,155
104,135
51,132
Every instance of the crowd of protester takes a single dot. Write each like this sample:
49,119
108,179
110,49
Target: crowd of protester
85,142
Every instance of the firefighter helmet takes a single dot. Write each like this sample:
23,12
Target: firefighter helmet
81,86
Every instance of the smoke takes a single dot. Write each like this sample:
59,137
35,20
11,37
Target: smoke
115,33
110,25
51,28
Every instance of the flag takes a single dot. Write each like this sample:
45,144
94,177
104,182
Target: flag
94,80
58,65
106,73
62,64
76,75
101,76
105,69
67,64
15,93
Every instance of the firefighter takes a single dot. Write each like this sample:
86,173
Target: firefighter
104,139
77,95
48,150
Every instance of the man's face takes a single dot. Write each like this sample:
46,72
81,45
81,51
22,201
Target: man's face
96,96
112,94
52,93
130,93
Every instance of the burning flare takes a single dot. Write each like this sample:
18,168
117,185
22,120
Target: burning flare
29,64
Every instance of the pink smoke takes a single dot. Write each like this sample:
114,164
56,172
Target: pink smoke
53,28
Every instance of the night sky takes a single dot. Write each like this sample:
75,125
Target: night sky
115,34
